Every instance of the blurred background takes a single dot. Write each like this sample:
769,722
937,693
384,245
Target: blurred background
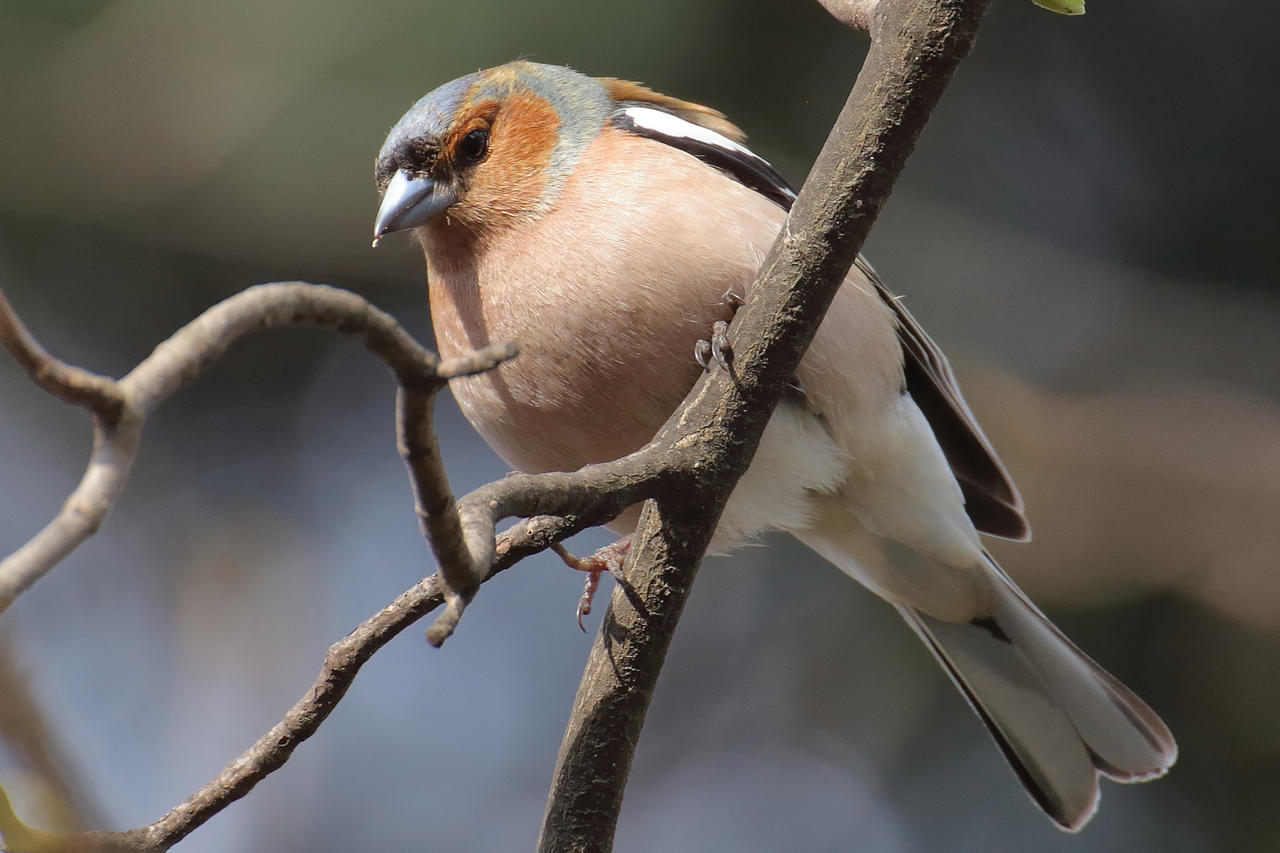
1088,227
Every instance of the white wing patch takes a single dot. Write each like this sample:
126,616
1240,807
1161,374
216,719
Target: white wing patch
667,124
719,150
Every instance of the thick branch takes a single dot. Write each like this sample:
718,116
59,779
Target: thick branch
916,44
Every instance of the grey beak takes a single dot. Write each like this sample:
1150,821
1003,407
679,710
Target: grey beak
410,202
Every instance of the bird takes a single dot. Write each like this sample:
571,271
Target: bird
600,224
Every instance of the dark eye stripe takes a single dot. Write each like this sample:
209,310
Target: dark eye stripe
744,165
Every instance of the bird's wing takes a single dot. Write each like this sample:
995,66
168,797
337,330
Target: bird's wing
991,498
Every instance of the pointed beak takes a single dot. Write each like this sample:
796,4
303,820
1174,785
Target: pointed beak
410,202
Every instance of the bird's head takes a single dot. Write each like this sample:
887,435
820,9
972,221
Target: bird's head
489,148
494,149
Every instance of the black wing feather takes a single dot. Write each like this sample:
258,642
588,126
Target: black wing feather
990,497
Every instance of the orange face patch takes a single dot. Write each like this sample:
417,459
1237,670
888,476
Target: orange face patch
511,181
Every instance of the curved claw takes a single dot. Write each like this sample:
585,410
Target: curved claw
721,349
607,559
588,593
702,353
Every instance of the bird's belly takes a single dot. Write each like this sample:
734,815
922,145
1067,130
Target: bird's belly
556,409
558,414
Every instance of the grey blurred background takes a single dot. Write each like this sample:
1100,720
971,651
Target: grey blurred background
1088,226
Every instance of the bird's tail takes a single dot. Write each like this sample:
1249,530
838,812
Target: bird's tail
1058,717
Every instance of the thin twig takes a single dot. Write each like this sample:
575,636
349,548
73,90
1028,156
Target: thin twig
114,448
341,664
121,407
99,394
462,559
477,361
437,511
462,540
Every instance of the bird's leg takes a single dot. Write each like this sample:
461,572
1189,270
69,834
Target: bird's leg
718,347
607,559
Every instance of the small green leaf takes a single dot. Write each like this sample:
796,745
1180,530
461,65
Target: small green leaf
1062,7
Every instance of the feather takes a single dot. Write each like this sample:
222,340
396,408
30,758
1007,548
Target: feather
625,92
1058,717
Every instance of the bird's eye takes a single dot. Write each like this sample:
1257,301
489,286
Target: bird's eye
472,147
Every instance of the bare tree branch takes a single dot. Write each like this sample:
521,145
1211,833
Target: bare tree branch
83,511
462,559
341,664
461,533
121,406
72,384
915,46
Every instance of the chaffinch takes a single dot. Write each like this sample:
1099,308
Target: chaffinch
599,224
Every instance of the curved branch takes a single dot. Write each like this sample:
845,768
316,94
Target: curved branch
83,511
122,406
462,558
179,360
595,493
99,394
461,533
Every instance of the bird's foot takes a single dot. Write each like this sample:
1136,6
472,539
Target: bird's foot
607,559
718,346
